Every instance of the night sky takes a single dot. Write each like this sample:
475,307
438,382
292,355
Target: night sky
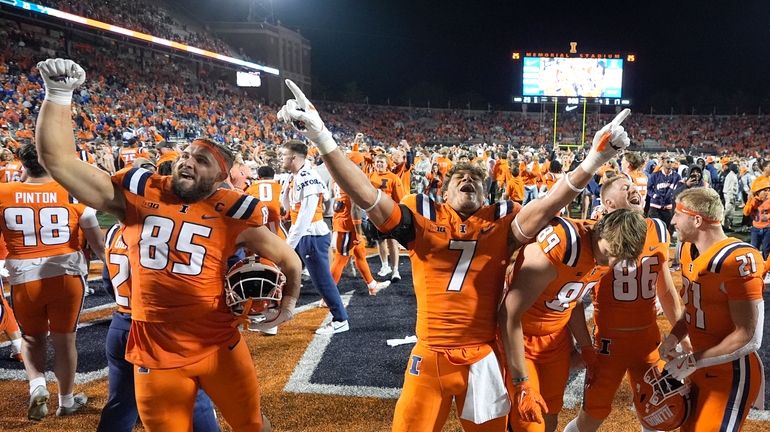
689,53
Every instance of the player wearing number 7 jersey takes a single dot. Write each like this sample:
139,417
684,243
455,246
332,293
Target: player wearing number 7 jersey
180,230
458,250
626,333
544,302
724,315
40,222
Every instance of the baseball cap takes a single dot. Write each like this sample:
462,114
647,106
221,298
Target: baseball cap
710,159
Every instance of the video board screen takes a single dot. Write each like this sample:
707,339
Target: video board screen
248,79
577,77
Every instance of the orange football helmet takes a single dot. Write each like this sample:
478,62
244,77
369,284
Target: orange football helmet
257,279
662,402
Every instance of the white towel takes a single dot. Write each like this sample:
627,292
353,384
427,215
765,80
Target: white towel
486,398
404,341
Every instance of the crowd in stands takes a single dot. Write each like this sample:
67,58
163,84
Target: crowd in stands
143,103
142,16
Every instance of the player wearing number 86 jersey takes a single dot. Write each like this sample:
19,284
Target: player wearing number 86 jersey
626,333
41,222
724,315
544,303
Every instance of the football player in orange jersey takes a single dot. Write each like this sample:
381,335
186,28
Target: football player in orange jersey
40,222
180,230
724,316
268,190
119,413
626,334
549,279
390,185
458,252
350,238
11,170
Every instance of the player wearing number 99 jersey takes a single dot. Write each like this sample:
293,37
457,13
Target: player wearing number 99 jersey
724,316
543,305
40,222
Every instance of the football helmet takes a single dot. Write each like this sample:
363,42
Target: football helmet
257,279
662,402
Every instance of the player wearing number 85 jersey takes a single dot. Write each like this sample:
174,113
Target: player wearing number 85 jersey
459,250
40,222
180,230
543,304
724,315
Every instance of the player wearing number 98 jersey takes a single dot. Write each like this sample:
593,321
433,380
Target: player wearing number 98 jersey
544,302
40,222
724,316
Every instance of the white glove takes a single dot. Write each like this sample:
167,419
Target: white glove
608,142
667,348
301,113
273,318
682,366
61,78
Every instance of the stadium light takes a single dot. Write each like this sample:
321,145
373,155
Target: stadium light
44,10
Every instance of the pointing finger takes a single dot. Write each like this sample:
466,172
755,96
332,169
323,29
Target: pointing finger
301,98
620,117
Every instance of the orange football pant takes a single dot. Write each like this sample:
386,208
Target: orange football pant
347,242
548,360
619,352
723,394
51,304
165,397
432,379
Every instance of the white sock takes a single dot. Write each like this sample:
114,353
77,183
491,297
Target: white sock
16,344
372,284
572,426
66,401
35,383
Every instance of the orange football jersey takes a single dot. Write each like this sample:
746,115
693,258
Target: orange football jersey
625,296
116,251
342,220
39,220
178,254
567,244
728,270
11,172
389,184
269,193
458,268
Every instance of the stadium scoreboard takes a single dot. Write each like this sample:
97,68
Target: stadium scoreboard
572,78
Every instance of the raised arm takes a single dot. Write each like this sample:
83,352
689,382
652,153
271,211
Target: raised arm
56,142
608,141
303,115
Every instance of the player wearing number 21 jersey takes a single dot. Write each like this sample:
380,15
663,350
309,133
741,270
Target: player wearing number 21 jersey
724,316
544,302
41,222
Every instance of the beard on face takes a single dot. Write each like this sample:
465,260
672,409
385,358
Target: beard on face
200,189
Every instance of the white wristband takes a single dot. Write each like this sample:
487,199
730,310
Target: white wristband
571,186
376,201
325,142
59,97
